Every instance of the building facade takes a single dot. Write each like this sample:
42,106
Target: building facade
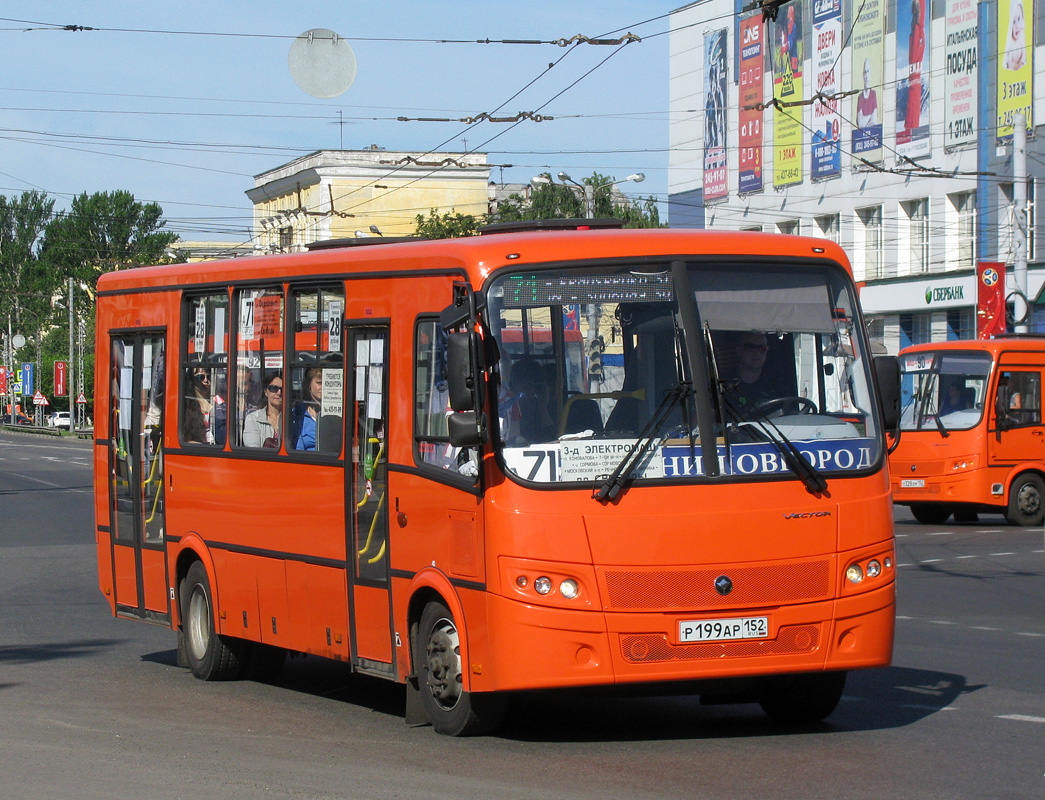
332,194
884,125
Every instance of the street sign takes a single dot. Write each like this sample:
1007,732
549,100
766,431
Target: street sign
40,400
81,399
25,375
60,373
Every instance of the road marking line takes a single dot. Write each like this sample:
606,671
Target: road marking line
927,707
930,561
941,622
1002,554
994,530
1021,718
1029,633
942,533
905,565
984,628
961,557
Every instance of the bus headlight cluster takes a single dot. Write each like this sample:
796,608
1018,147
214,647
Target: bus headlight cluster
872,568
962,464
568,588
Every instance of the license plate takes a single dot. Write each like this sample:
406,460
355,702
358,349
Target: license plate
715,630
912,483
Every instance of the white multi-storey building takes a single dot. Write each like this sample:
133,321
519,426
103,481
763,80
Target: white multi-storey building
919,200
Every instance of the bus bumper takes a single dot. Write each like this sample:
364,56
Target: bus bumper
540,648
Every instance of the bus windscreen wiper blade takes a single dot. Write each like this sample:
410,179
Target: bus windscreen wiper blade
815,482
610,488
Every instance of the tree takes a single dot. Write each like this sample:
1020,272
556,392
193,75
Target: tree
562,201
450,225
26,285
106,231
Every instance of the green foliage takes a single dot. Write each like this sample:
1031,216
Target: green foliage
561,201
26,284
450,225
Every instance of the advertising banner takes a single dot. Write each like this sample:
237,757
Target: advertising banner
716,174
960,115
788,55
1015,65
752,69
60,373
827,39
990,299
868,45
3,380
912,79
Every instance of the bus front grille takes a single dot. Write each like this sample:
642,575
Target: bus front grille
691,589
655,647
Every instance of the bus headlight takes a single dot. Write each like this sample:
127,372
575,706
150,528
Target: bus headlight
569,588
874,568
855,573
542,585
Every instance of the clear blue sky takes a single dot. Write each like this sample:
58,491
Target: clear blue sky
187,120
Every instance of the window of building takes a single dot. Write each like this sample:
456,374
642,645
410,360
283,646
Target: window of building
873,249
788,226
1007,238
962,253
205,370
918,234
829,226
754,228
317,371
259,368
915,329
286,239
961,324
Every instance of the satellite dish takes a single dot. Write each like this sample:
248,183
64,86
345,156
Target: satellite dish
322,63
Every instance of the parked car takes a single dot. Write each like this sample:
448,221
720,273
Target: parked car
22,419
60,419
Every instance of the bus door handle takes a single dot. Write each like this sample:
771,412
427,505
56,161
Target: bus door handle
1037,432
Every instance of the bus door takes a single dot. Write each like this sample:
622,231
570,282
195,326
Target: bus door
1018,432
136,499
366,473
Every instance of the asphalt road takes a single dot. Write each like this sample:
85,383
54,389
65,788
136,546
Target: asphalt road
92,707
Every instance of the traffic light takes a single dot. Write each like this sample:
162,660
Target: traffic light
595,348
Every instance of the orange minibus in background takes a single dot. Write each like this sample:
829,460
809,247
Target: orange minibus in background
971,433
525,460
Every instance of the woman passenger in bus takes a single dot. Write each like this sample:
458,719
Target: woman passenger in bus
261,428
211,410
533,398
306,413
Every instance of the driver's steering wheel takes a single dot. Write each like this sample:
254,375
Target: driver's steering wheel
802,405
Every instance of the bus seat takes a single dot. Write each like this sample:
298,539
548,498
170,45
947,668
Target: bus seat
582,414
626,417
968,398
328,433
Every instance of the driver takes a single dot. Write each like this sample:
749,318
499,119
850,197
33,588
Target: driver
753,384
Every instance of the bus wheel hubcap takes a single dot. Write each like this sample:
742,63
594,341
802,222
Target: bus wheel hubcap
444,664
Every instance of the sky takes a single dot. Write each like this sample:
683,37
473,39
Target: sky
183,103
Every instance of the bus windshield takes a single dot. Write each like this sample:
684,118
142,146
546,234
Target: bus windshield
598,362
943,389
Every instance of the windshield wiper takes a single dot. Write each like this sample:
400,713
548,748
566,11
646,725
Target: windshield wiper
610,488
815,482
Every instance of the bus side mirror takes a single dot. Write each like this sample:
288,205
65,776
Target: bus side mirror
887,377
468,428
464,381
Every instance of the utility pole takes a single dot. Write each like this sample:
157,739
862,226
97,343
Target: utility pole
1019,232
69,382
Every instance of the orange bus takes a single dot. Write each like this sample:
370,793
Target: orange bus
971,434
400,455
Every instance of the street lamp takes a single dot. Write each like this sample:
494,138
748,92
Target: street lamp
588,189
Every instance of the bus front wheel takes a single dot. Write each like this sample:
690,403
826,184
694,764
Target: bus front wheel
451,710
1025,501
211,657
802,699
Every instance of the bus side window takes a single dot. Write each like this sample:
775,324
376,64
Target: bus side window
1018,400
316,398
432,405
204,394
259,364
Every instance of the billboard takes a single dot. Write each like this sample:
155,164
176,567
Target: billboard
960,117
868,51
1015,65
827,43
788,53
752,33
716,173
912,79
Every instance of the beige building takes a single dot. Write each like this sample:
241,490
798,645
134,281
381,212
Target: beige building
333,194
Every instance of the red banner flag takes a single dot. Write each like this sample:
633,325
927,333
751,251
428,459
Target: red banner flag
60,371
990,299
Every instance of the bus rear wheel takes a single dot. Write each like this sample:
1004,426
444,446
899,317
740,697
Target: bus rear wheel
1025,501
930,513
802,699
211,656
451,710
